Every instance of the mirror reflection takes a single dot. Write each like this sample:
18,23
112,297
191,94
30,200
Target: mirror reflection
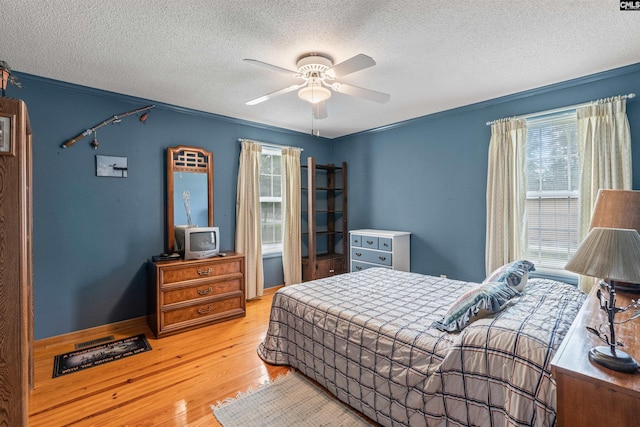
190,193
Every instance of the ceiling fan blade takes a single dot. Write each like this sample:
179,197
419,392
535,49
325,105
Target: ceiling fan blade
274,94
360,92
351,65
273,67
319,110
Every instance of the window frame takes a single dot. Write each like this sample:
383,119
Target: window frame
271,249
570,193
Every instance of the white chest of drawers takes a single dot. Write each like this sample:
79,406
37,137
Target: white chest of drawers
380,248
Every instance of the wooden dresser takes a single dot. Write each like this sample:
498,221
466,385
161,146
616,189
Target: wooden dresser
589,394
185,295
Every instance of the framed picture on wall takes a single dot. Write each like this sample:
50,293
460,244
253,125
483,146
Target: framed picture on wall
111,166
6,136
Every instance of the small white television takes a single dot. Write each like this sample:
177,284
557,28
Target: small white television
201,242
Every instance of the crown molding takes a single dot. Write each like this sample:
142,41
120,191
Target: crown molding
616,72
25,77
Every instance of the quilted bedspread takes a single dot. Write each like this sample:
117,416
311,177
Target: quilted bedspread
367,337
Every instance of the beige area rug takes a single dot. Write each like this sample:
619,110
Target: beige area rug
289,400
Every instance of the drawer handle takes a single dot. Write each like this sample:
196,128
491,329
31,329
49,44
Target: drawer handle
204,291
205,272
358,268
204,310
358,254
369,242
382,258
386,245
331,271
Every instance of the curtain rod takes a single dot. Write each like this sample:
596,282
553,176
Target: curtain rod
266,144
568,108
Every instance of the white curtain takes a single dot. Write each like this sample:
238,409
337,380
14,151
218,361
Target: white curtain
248,228
506,194
291,242
604,149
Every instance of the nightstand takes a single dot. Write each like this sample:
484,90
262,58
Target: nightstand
589,394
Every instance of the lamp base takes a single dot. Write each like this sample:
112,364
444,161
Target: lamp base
618,360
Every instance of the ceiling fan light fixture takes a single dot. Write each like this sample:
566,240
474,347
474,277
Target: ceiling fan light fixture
314,93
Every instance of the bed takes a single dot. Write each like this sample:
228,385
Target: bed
368,338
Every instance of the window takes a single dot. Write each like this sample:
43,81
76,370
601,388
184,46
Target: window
271,200
552,190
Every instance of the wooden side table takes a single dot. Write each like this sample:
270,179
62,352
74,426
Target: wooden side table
589,394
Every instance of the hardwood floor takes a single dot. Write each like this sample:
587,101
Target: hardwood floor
172,385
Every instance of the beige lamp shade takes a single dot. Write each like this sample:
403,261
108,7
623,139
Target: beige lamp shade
608,253
616,209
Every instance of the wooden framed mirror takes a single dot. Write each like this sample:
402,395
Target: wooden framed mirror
190,177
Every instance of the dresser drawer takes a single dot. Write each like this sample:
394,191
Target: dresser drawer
205,290
376,257
370,242
181,273
359,266
203,312
384,243
356,240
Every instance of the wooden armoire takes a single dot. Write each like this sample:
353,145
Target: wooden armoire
16,299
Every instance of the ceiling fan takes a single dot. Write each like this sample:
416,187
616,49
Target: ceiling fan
318,75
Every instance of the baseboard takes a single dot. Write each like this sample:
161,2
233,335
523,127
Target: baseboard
272,289
138,322
82,335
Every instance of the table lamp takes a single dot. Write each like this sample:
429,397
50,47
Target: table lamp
611,254
618,209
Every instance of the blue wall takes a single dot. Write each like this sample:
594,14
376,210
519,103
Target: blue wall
428,175
92,236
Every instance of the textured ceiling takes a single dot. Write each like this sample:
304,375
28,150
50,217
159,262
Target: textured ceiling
431,55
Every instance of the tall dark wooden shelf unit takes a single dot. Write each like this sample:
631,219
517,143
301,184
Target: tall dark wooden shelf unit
326,215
